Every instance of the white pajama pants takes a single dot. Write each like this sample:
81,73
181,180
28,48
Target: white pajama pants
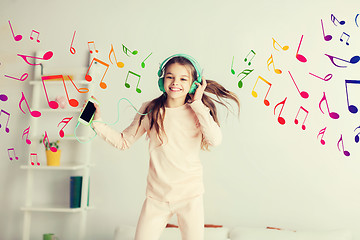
155,215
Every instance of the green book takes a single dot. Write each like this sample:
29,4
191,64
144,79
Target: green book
75,191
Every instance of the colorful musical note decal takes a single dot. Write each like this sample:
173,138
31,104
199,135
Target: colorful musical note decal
246,72
32,155
326,37
72,49
232,65
333,115
126,50
3,97
92,43
31,37
247,56
296,118
283,48
66,121
33,113
143,62
52,104
17,37
357,15
346,153
48,55
89,78
300,57
348,37
352,108
22,78
254,93
26,132
333,19
119,64
271,61
137,85
357,135
326,78
280,119
353,60
7,122
47,142
303,94
13,151
322,133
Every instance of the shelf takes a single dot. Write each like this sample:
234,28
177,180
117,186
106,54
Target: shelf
57,168
55,209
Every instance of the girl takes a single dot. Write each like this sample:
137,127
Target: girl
179,123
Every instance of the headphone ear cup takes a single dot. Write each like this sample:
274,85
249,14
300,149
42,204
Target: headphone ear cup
161,84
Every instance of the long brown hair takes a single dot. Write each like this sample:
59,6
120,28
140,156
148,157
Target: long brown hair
156,107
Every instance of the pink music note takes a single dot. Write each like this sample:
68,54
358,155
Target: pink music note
66,121
17,37
347,41
246,72
303,94
296,118
89,78
322,133
283,48
143,62
119,64
126,50
53,149
93,43
31,159
247,56
300,57
357,135
333,19
326,78
72,49
33,113
7,123
46,56
31,37
346,153
280,119
271,61
26,132
12,150
3,97
353,60
326,37
22,78
333,115
52,104
352,108
137,85
254,93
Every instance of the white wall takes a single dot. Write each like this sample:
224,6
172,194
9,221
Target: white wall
264,173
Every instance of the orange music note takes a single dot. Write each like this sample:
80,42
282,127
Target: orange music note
46,56
89,78
346,153
72,49
22,78
93,43
31,159
53,149
128,85
297,121
119,64
246,72
17,37
300,57
333,115
271,61
326,78
31,37
246,58
322,133
254,93
26,132
12,150
280,119
33,113
283,48
66,121
303,94
7,123
125,50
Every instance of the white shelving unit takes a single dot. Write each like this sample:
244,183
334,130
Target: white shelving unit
79,166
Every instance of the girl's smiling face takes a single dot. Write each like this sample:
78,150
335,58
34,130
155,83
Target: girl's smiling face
177,82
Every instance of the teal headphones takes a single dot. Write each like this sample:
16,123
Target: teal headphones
193,62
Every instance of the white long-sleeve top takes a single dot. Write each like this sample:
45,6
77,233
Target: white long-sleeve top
175,169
